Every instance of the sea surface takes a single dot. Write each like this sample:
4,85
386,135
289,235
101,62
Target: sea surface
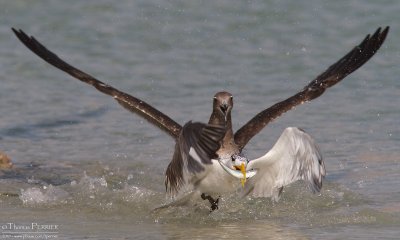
88,169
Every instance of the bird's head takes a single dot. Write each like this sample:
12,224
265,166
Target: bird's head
222,105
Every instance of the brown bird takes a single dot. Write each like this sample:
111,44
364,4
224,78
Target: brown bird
199,147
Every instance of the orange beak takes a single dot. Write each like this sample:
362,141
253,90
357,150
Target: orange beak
242,168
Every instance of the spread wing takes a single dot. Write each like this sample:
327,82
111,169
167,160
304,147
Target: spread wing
129,102
334,74
295,156
196,145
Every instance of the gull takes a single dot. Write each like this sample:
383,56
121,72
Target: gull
208,157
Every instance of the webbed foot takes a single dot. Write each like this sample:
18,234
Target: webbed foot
211,200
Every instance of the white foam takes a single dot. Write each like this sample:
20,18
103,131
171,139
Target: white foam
134,193
92,184
49,194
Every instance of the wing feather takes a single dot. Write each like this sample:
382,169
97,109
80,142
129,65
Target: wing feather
129,102
295,156
196,146
334,74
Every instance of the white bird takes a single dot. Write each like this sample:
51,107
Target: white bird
295,156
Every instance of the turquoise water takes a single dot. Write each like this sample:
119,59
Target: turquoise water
85,164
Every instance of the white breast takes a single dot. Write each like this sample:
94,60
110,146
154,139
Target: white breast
216,181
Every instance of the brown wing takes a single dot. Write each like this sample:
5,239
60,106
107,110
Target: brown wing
127,101
334,74
196,146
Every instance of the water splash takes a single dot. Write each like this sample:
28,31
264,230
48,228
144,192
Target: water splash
45,195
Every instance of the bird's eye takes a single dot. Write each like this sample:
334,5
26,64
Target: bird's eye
231,96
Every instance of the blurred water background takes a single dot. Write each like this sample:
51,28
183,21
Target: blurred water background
94,169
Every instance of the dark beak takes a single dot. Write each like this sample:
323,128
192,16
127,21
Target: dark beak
224,108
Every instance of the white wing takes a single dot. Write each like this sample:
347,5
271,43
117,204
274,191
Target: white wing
295,156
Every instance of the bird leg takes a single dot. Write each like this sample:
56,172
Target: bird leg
214,203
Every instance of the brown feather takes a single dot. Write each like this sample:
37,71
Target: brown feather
334,74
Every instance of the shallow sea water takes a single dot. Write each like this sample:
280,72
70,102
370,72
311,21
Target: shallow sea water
85,164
